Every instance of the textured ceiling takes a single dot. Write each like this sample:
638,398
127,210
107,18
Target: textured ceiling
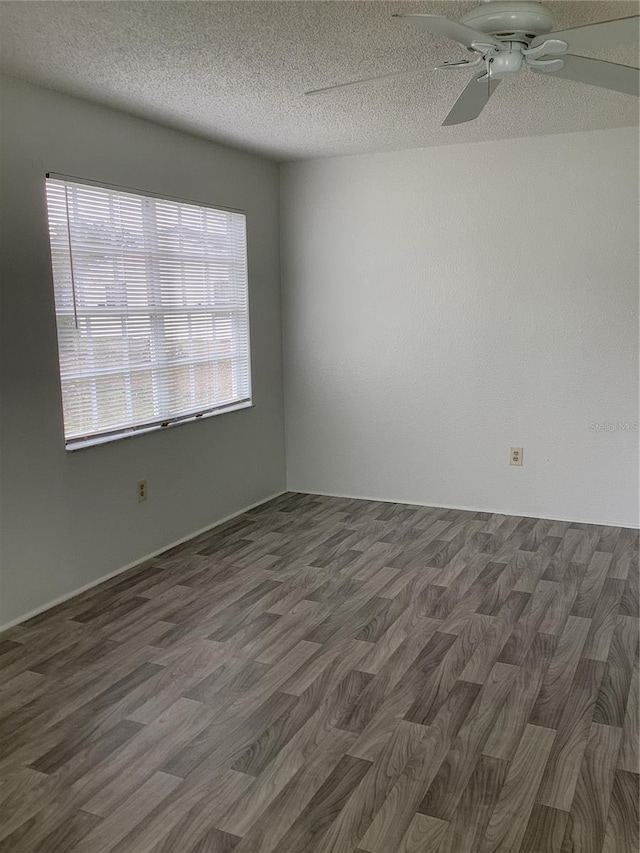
235,72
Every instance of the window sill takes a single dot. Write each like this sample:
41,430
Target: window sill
118,436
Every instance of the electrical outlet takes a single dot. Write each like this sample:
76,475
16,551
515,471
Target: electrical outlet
142,490
516,456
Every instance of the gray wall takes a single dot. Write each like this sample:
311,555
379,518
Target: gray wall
444,304
70,518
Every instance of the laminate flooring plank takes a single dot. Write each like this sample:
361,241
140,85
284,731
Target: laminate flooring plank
442,663
621,833
213,738
469,822
227,683
537,535
500,631
410,625
291,758
125,818
424,835
399,667
20,690
403,798
562,605
565,761
278,639
367,798
399,606
589,809
545,830
466,592
604,620
464,567
508,822
176,680
375,736
68,749
53,714
276,736
31,651
608,539
225,738
214,841
115,779
514,542
624,553
536,569
527,624
22,795
352,616
616,682
591,586
304,585
516,712
500,590
307,831
562,558
630,748
629,605
558,679
447,786
587,546
55,835
185,816
276,820
324,658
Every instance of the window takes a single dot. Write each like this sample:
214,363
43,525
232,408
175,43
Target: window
152,310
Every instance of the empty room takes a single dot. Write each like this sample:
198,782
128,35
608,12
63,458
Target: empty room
320,463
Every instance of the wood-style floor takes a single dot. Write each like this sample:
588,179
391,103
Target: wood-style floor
323,674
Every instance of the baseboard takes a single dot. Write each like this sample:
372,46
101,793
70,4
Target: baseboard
463,508
122,569
195,533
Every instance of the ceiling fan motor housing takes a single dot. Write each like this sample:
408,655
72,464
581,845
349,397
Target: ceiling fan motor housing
505,64
517,20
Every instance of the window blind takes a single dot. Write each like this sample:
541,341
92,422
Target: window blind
151,301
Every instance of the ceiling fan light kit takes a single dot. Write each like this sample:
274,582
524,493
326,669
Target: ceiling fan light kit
507,37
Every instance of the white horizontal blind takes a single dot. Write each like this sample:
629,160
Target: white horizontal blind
151,306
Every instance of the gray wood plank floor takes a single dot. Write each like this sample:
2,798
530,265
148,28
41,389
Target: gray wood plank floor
330,675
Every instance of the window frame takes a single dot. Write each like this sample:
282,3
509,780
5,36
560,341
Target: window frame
109,436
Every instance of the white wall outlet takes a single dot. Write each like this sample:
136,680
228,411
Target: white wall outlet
515,457
142,490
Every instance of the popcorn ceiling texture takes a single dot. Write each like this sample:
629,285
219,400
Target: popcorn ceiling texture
235,72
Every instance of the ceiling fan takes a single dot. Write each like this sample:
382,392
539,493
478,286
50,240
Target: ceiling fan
509,36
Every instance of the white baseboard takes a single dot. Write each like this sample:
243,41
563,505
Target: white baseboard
132,565
463,508
195,533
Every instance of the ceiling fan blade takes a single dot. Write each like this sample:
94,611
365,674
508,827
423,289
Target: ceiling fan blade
364,80
594,36
472,101
597,72
442,26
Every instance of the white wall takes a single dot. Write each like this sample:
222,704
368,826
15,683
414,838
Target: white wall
70,518
444,304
